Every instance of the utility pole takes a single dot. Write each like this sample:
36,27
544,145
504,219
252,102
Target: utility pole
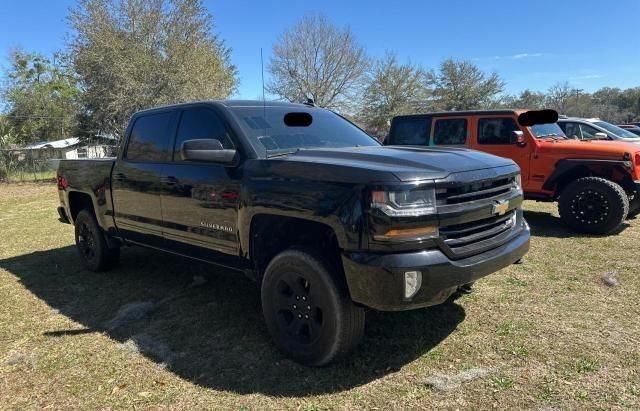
578,91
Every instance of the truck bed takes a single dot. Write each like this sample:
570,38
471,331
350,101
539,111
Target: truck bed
89,176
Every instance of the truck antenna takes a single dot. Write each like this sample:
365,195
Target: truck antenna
264,102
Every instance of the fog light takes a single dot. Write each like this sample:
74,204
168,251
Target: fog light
412,283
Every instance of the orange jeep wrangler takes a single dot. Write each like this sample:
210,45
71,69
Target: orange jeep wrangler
596,183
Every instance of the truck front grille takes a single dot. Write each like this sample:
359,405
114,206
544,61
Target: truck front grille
474,191
476,236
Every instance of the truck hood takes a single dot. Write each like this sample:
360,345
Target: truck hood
604,149
401,163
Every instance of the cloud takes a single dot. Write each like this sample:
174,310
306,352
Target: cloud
525,55
517,56
586,77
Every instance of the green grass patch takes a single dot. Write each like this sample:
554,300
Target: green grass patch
546,333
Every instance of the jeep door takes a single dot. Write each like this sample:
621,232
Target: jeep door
200,199
451,131
494,135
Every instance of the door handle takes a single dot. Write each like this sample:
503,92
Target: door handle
119,177
170,180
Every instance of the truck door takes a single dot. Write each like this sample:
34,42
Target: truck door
494,135
200,199
136,178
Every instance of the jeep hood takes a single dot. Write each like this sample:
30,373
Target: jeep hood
387,163
602,149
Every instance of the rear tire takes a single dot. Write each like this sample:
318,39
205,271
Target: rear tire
95,253
593,205
308,311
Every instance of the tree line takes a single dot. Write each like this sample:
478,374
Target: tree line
127,55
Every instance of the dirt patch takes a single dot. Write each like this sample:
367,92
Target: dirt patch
129,313
147,345
443,382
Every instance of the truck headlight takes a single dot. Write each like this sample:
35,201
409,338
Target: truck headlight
405,203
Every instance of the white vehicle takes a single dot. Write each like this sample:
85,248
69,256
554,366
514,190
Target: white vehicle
594,128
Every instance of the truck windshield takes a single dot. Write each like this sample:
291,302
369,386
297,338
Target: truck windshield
267,130
620,132
547,130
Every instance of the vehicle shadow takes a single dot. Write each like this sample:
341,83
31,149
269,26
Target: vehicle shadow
205,325
544,224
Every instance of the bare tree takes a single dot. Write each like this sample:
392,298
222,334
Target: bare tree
558,97
391,89
461,85
316,60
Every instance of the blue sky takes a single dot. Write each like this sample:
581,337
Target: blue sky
531,44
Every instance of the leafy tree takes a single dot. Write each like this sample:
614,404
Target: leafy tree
42,97
134,54
317,60
461,85
391,89
526,99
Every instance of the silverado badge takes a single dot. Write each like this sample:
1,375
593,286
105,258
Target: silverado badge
501,207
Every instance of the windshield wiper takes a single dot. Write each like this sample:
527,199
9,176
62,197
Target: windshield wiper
282,152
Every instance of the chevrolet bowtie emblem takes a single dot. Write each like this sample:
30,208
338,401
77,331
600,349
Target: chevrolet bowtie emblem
501,207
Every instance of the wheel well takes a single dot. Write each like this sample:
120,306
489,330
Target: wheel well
79,201
613,173
271,234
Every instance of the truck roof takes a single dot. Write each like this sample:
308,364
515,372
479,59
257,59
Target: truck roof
231,103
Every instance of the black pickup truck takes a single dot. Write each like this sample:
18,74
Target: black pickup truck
323,217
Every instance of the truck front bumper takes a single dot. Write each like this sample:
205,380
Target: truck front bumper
377,280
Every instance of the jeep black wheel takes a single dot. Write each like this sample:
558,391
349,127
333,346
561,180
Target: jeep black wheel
92,246
307,310
593,205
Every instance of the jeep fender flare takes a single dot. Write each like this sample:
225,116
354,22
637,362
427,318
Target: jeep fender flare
568,166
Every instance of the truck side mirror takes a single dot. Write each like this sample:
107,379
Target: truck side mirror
207,150
518,138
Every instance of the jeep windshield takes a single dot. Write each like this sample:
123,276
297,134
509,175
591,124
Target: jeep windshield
551,130
275,130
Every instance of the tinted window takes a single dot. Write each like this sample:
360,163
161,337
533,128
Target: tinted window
496,130
280,129
150,137
201,123
410,131
450,131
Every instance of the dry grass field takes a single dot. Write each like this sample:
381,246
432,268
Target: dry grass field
561,331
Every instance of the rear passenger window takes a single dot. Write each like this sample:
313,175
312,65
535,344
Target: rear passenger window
410,131
201,123
497,130
450,131
149,139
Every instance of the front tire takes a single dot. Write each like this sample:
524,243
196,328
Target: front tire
308,310
634,207
95,253
593,205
